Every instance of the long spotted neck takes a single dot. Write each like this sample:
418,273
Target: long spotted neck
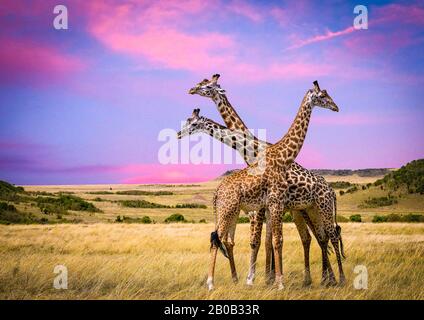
290,145
229,115
247,145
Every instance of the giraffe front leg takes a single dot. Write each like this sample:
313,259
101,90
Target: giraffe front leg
212,263
255,243
269,252
275,209
229,244
306,242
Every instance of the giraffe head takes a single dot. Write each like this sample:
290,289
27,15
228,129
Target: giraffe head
208,88
192,125
321,98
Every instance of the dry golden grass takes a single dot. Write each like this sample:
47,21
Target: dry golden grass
202,193
121,261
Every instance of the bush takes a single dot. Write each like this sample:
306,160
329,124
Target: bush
379,219
378,202
145,193
355,218
287,217
399,218
100,192
394,218
191,206
340,184
243,220
202,221
146,219
341,192
176,217
7,207
413,218
141,204
352,189
63,203
9,214
341,218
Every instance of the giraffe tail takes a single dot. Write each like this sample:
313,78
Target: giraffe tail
218,243
215,241
338,228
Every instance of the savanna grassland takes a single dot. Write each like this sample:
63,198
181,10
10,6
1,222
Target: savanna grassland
169,261
116,244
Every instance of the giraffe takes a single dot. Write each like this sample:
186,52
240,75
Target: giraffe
317,189
306,189
264,185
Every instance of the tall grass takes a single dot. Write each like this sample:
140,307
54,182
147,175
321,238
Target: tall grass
135,261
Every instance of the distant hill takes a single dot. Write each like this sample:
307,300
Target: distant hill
347,172
409,177
341,173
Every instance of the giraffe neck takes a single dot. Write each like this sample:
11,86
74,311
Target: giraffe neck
245,143
229,115
290,145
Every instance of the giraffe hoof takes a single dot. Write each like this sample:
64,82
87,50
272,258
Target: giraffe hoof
235,280
307,283
249,282
280,287
329,283
342,282
209,283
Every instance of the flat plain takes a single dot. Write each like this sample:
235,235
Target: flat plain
110,260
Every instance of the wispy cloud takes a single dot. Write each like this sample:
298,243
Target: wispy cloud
323,37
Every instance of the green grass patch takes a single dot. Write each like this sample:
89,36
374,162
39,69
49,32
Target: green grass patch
378,202
243,219
144,219
340,184
191,206
142,204
63,203
145,193
355,218
176,217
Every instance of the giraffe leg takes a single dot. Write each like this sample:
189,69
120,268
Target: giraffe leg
270,259
255,243
334,232
212,263
229,244
225,221
335,242
314,218
275,209
306,242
